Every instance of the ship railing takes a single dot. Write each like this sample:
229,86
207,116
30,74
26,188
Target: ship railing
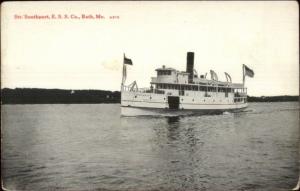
143,90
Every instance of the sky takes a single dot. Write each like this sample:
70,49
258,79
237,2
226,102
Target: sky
74,53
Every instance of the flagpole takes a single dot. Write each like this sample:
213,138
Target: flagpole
122,84
243,75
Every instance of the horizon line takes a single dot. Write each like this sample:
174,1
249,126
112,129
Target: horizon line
118,90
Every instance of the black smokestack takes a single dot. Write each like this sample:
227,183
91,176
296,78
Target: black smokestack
190,65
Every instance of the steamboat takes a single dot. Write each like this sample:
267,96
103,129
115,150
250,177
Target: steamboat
173,91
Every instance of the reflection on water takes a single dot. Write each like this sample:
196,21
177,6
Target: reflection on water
172,128
89,147
174,146
173,119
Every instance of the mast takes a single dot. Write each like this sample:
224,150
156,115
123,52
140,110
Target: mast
122,83
243,75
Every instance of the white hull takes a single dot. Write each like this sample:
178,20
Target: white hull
136,103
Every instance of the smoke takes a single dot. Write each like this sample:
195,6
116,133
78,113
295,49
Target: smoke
112,65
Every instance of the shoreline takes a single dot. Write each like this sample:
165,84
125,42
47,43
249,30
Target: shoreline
61,96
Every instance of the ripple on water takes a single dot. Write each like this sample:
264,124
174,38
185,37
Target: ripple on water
89,147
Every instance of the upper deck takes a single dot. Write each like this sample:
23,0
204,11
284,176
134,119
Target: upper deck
175,77
173,82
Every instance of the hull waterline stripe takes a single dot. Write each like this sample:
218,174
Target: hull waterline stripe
153,108
181,103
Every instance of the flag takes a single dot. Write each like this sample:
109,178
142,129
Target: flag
228,77
248,71
213,75
127,60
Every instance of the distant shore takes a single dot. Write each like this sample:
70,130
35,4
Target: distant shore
56,96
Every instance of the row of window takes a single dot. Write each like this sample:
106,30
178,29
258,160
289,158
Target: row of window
235,100
163,72
194,88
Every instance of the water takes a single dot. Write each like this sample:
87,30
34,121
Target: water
89,147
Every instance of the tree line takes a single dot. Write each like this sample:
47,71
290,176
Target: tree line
39,96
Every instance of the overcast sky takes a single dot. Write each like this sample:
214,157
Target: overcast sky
88,54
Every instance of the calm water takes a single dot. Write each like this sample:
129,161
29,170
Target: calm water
89,147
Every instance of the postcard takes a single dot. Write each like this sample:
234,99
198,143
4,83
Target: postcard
141,95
